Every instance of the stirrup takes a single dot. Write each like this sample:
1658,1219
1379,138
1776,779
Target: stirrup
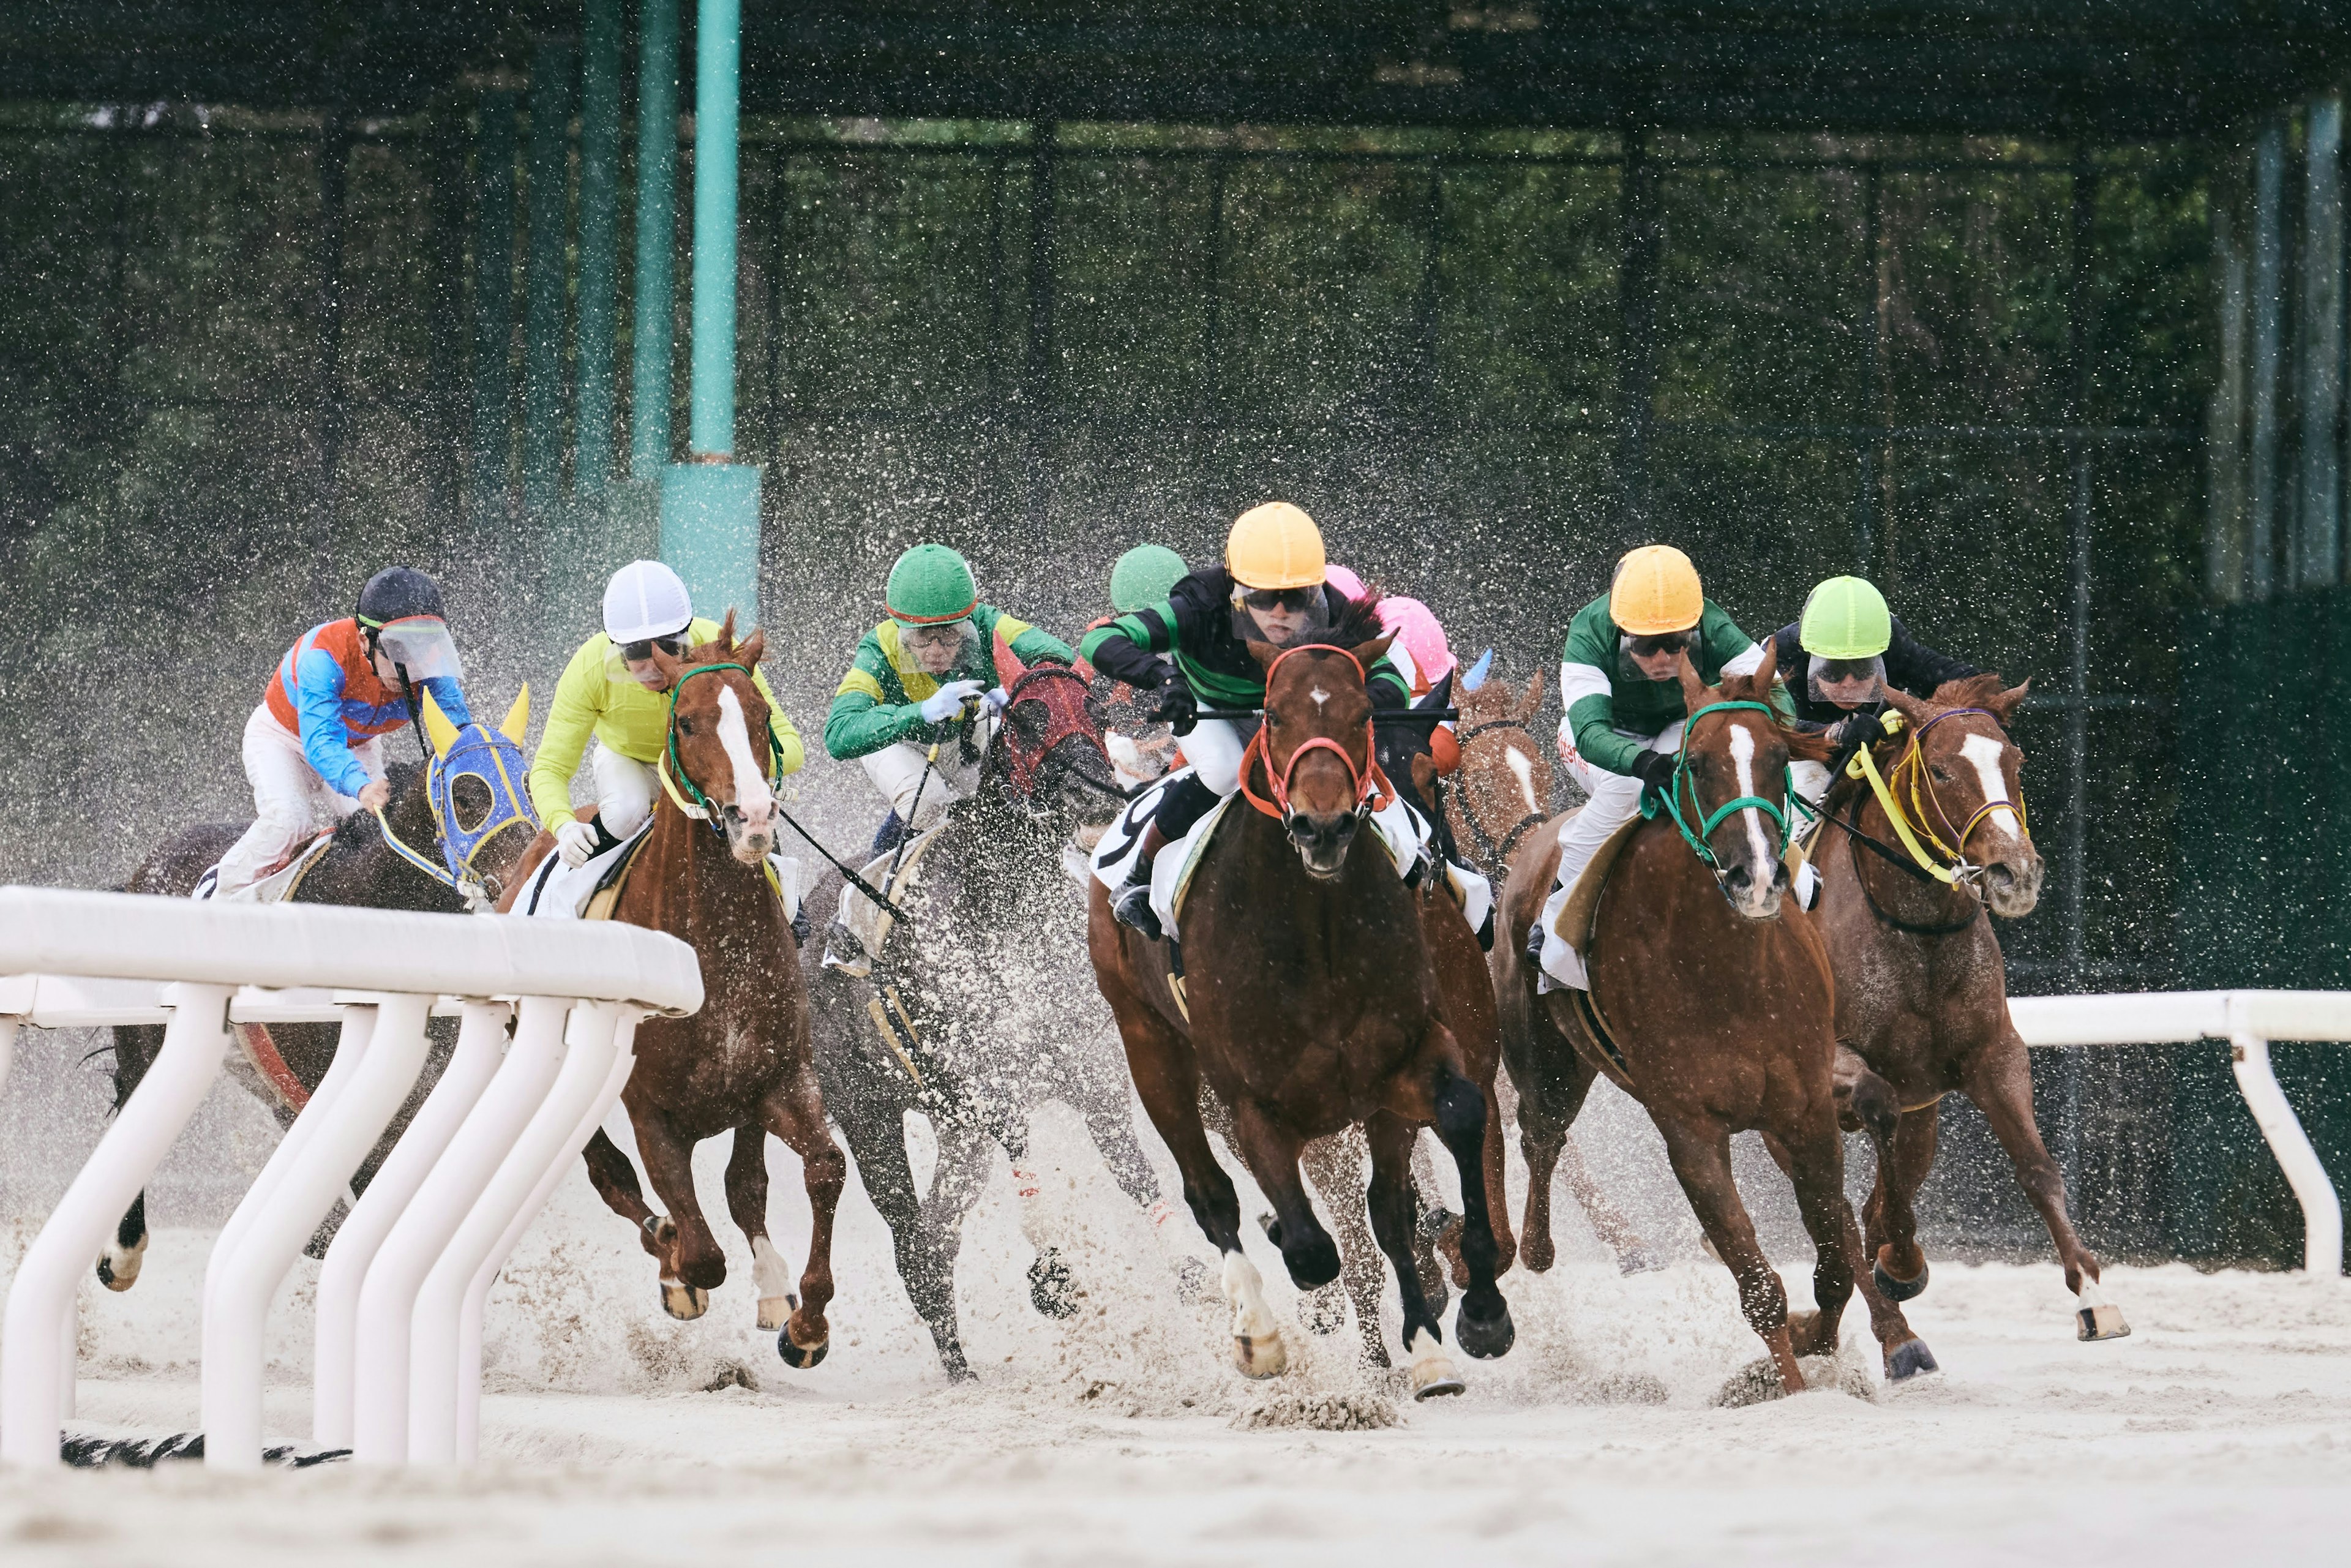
844,951
1132,907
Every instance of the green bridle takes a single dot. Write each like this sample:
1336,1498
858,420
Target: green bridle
694,802
1697,841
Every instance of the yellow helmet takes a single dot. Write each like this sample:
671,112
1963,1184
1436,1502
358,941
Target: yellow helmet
1656,592
1275,545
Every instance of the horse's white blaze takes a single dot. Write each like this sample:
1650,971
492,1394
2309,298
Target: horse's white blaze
1742,752
1523,770
751,797
1320,696
1984,751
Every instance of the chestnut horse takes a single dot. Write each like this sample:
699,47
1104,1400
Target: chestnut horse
1500,792
476,773
744,1064
1715,998
1922,993
1311,1004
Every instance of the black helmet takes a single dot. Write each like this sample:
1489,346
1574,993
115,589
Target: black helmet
397,593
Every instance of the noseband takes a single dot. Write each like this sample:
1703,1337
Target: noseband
1372,789
1698,838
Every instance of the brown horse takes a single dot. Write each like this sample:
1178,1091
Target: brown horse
744,1064
1311,1004
1500,792
1716,1001
1922,993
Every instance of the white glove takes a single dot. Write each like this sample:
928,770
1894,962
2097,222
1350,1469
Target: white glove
996,701
949,700
575,841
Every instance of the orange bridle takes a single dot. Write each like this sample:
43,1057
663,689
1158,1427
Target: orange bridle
1372,789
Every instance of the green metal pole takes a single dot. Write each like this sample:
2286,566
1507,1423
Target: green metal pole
494,208
600,193
656,238
710,504
554,67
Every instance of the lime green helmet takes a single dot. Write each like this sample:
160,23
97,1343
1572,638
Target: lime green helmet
930,586
1144,576
1845,618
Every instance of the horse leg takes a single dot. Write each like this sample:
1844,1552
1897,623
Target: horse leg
692,1263
794,1111
1335,1165
746,1202
1999,1081
1896,1265
1700,1156
1906,1355
135,1046
615,1181
877,1141
1483,1325
1391,1206
1271,1151
1616,1232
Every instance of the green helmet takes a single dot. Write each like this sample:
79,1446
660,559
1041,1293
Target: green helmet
1144,576
930,586
1845,618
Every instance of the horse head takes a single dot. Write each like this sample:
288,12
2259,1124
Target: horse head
475,789
1316,745
1053,760
713,766
1960,779
1503,784
1733,775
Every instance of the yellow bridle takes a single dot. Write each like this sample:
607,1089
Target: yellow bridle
1910,772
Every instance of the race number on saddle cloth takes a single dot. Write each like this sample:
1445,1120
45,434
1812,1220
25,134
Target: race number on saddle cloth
1402,832
315,745
1622,727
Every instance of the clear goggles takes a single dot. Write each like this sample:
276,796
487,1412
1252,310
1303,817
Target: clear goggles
422,646
1847,674
1284,617
950,637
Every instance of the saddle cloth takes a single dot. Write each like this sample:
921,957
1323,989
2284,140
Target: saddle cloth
587,891
277,886
1402,832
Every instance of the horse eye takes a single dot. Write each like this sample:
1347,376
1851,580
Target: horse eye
685,727
1272,720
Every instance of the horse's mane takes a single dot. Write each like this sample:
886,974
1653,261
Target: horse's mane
1968,691
1358,621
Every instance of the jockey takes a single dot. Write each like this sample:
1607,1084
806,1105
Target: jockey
1141,749
1271,588
1619,678
1847,643
612,689
314,748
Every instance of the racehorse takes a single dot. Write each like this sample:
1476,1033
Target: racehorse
1501,791
745,1062
1310,1003
1711,1001
466,800
1922,993
977,1011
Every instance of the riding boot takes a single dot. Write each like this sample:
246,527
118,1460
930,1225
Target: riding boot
1131,904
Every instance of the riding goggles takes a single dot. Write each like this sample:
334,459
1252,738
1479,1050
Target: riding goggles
422,647
1843,672
638,652
1668,642
1311,603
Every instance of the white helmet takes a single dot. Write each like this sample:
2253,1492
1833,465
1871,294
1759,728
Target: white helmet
645,601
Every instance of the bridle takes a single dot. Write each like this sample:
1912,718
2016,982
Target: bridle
1670,802
1910,775
509,808
1372,789
1495,852
679,785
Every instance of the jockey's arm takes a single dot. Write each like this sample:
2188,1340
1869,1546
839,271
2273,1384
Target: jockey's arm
570,719
1736,654
790,753
1587,695
1917,669
863,720
1033,644
1126,650
325,740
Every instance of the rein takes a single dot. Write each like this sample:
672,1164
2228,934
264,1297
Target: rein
1500,851
1372,789
1910,771
1697,840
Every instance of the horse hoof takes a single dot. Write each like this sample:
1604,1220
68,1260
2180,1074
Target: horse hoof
121,1275
2103,1321
1484,1339
1910,1359
1639,1259
1894,1290
684,1302
1432,1372
774,1310
1326,1309
1259,1356
800,1360
1049,1289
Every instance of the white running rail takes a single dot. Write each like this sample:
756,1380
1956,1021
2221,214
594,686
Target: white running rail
409,1266
2247,1021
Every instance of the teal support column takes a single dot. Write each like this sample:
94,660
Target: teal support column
554,68
656,239
600,201
710,504
494,224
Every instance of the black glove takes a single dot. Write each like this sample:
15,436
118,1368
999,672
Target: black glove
1176,705
1654,769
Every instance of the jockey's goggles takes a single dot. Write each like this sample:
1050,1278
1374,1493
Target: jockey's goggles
1844,671
422,647
948,635
1666,643
638,652
1312,602
1290,599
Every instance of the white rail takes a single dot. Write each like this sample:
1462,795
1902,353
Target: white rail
2247,1021
471,1172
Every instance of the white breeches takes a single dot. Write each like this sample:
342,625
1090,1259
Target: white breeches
624,791
1214,749
1615,798
897,771
291,804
